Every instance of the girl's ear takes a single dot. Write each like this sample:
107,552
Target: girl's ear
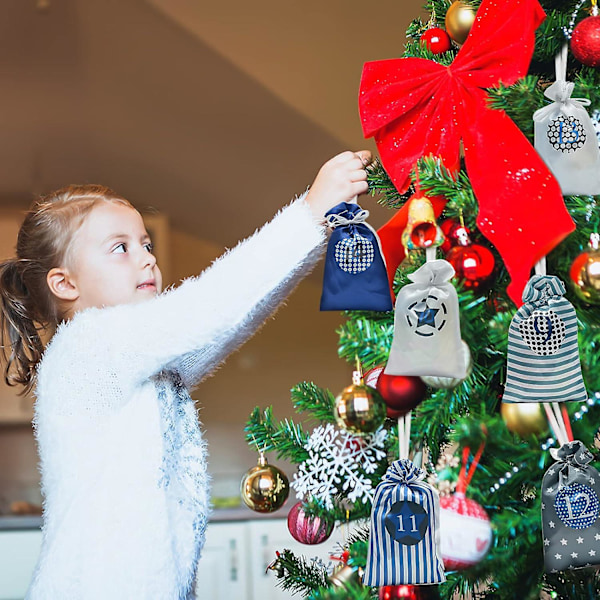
62,285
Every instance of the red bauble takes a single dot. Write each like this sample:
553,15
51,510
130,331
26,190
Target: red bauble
474,265
455,234
409,592
437,40
307,529
465,531
400,393
585,41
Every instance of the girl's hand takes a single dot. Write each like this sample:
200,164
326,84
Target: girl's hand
340,179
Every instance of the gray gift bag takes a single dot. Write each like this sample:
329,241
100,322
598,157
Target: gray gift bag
570,510
543,355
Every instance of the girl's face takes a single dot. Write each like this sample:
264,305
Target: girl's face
112,260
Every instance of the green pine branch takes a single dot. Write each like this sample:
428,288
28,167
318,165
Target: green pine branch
319,402
286,438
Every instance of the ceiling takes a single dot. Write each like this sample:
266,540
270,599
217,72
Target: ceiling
216,113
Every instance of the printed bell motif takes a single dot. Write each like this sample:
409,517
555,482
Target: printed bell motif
421,231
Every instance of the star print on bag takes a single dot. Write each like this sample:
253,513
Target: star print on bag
426,317
427,338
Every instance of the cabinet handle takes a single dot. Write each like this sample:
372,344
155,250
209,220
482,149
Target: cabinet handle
233,560
264,540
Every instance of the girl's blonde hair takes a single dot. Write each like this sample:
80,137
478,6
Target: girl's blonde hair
27,306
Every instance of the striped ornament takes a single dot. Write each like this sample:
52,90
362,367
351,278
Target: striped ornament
390,562
543,355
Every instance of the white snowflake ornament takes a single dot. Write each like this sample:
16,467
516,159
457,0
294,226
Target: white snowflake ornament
337,463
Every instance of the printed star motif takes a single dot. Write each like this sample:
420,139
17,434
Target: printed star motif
574,555
563,542
543,506
552,525
546,542
597,537
592,480
580,540
551,471
592,553
549,490
427,316
558,556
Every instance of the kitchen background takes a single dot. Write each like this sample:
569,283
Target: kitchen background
213,114
208,116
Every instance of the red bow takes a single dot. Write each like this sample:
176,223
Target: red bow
416,107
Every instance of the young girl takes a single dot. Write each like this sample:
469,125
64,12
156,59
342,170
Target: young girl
123,462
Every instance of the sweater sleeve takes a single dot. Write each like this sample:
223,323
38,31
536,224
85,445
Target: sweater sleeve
195,326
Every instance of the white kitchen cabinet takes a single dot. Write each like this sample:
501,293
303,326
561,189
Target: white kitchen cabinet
270,536
19,552
233,564
223,568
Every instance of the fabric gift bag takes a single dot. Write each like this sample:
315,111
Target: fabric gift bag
570,509
355,276
565,137
427,326
543,355
404,539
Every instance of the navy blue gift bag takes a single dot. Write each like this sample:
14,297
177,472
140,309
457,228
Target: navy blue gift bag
355,276
404,540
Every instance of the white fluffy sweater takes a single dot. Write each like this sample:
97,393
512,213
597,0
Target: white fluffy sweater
122,458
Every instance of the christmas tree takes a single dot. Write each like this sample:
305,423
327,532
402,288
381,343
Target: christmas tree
460,429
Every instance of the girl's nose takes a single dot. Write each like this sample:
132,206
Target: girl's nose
149,260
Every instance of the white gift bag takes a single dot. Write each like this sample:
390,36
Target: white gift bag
565,137
427,337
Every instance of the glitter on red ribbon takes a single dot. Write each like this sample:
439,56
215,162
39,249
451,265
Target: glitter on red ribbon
416,107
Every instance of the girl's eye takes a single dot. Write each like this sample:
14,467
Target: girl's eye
150,247
121,245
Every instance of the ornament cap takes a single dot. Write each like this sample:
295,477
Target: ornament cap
262,460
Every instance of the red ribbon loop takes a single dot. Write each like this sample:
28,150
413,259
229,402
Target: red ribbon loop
416,107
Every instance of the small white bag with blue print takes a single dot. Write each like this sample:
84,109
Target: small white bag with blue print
404,541
427,338
565,137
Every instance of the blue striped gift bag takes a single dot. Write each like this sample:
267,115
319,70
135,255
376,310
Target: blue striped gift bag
543,355
404,541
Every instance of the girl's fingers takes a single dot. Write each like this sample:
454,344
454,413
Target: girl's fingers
360,175
365,157
359,187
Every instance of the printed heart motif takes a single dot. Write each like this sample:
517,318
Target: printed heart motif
481,545
543,332
354,254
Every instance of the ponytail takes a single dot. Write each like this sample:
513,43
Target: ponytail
22,346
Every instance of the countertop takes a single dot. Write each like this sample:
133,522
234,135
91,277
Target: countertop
240,513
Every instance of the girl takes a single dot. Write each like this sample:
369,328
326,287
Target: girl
122,459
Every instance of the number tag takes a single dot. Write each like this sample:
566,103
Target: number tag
577,506
407,522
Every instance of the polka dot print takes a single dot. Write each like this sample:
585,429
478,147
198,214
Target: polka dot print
566,134
577,506
354,254
543,332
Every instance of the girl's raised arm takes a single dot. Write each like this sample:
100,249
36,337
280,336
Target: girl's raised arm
195,326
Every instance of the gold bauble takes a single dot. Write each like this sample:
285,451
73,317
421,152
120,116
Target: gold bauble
524,418
359,408
459,20
585,273
264,488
